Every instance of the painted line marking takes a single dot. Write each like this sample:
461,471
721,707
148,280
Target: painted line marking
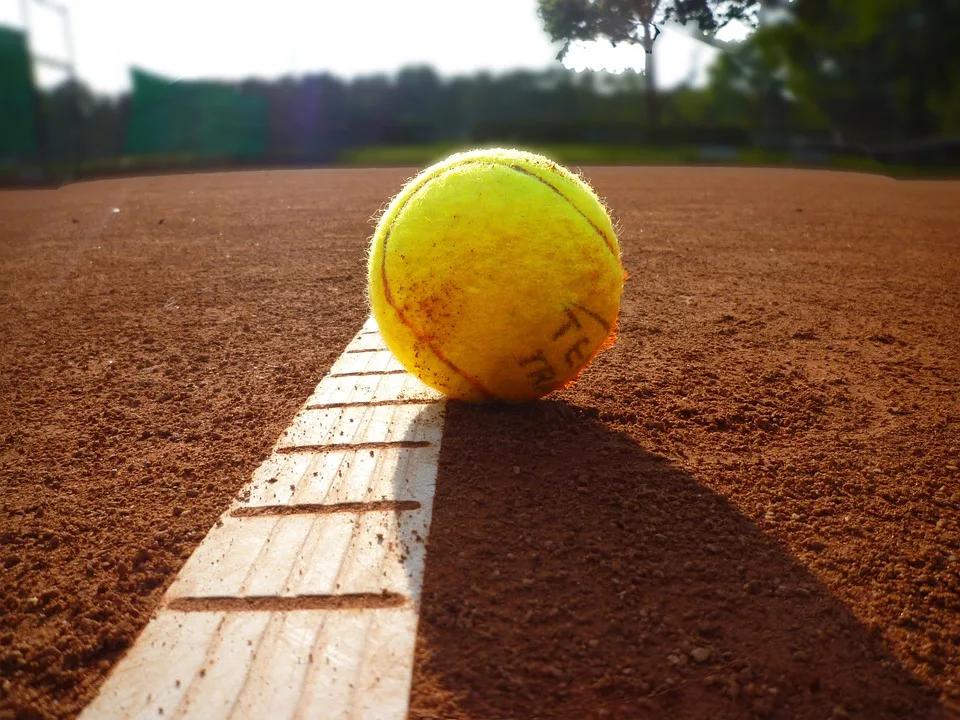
313,575
393,387
375,427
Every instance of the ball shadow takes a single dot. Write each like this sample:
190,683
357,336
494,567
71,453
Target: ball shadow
572,574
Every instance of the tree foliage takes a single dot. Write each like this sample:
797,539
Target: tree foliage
314,118
635,22
881,70
623,20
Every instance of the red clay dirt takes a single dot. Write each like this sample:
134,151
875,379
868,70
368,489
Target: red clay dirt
747,508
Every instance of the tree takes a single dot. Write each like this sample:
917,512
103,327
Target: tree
882,70
637,22
745,90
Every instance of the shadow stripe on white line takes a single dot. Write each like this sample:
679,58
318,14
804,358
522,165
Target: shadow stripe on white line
363,373
369,403
338,447
269,603
322,509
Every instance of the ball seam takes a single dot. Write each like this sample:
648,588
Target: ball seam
388,296
596,229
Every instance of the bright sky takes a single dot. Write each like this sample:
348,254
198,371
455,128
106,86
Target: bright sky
232,39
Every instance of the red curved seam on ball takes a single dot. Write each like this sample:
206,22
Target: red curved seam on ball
606,240
388,296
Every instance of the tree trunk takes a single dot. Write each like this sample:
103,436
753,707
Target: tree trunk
649,72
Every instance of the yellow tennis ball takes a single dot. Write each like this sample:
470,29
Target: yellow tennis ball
496,275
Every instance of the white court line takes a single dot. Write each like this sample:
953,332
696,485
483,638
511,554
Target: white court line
303,600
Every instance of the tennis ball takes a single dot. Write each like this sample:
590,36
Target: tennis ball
495,275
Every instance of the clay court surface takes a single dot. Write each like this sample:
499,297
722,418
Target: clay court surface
749,507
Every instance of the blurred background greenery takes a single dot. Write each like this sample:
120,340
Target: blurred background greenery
861,84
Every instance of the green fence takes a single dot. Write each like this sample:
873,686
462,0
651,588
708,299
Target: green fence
18,106
197,119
